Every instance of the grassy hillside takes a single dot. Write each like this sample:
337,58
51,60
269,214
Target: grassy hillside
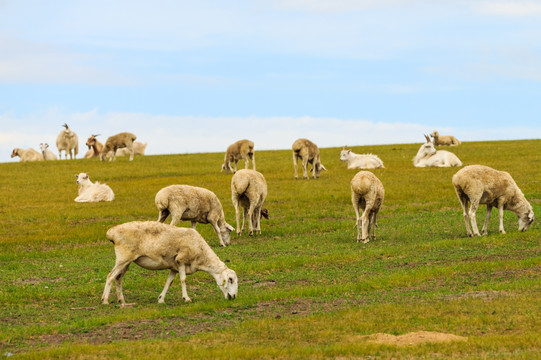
307,289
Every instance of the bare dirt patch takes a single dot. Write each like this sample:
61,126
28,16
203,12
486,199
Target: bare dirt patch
413,338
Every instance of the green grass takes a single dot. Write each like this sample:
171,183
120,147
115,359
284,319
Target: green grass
307,289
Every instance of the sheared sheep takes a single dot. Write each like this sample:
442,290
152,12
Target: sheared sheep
428,156
444,139
46,153
118,141
94,147
138,149
196,204
156,246
92,192
481,184
242,149
68,142
27,154
308,152
367,195
360,161
249,190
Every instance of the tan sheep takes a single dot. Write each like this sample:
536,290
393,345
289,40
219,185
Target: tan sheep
481,184
242,149
92,192
196,204
118,141
249,190
94,147
367,195
26,154
308,152
46,153
138,149
68,142
444,139
156,246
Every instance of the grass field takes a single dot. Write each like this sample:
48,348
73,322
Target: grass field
307,289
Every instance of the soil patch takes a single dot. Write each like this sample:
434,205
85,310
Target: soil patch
413,338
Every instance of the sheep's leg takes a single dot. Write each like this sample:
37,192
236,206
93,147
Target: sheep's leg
305,168
372,224
237,214
500,215
164,213
250,217
473,210
295,164
463,198
253,161
115,274
355,201
217,231
131,153
182,273
244,214
168,282
484,230
366,223
246,161
256,220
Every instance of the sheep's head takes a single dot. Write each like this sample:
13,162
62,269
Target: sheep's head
91,140
226,234
265,213
82,178
14,153
344,154
435,134
227,282
427,148
525,221
43,146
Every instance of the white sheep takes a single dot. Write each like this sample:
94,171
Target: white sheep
428,156
367,195
242,149
249,190
27,154
138,149
92,192
68,142
360,161
444,139
481,184
308,152
46,153
94,147
156,246
196,204
118,141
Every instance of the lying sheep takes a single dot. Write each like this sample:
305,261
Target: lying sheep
249,190
428,156
138,149
156,246
46,153
242,149
308,152
118,141
92,192
68,142
94,147
27,154
185,202
367,195
480,184
444,139
360,161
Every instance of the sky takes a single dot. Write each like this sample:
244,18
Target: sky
195,76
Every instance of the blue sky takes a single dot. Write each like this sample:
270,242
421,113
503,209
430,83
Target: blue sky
195,76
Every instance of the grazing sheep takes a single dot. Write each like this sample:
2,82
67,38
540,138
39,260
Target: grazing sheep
481,184
156,246
27,154
138,149
118,141
242,149
308,152
94,147
185,202
68,142
92,192
444,139
249,190
360,161
367,195
46,153
428,156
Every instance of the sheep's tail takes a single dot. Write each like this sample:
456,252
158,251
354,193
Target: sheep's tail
240,185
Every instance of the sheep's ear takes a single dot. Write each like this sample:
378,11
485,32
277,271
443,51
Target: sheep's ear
530,216
231,280
86,176
76,176
229,227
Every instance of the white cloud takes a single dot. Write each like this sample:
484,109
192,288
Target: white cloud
510,8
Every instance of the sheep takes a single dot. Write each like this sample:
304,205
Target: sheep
185,202
27,154
367,193
308,152
46,153
92,192
444,139
481,184
138,149
428,156
156,246
360,161
242,149
68,142
118,141
249,190
94,147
